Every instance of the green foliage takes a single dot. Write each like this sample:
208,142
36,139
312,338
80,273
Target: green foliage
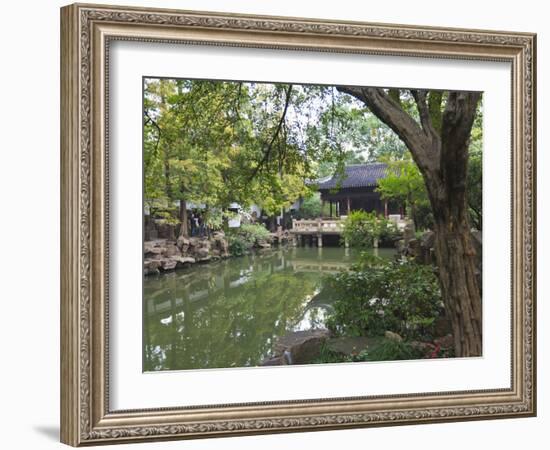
215,143
404,183
237,245
381,350
391,350
376,296
310,207
253,232
245,237
361,228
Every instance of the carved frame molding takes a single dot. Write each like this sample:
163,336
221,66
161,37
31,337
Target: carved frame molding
86,31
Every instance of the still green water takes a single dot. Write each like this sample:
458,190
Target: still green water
230,313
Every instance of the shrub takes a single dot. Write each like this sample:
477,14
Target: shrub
245,237
252,232
362,228
390,350
376,296
384,350
237,246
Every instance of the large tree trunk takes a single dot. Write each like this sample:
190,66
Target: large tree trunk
184,229
456,257
439,146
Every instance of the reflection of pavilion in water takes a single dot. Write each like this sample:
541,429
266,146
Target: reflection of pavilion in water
321,265
200,282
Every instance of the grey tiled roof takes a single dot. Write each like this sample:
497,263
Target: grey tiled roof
355,176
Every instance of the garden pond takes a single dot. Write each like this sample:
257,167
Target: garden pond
230,313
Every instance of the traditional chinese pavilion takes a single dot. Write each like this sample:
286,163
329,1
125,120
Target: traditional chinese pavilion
355,189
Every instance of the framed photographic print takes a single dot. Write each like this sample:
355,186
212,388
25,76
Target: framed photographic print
276,224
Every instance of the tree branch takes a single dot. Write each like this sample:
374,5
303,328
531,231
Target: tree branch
420,97
156,125
408,130
269,147
236,102
434,107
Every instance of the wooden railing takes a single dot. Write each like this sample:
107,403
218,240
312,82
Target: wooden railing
319,226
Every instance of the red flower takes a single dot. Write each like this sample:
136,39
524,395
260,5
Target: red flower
435,352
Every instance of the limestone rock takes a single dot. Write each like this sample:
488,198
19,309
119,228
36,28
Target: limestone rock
301,347
428,239
151,266
171,250
153,249
275,361
168,264
183,244
201,253
183,261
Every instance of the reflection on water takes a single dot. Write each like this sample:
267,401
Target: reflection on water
229,313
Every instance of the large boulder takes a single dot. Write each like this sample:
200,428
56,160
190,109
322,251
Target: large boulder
301,347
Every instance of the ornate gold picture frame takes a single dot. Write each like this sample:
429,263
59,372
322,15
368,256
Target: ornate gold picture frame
87,31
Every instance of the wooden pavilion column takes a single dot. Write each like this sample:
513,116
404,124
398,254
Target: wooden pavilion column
349,205
322,208
386,209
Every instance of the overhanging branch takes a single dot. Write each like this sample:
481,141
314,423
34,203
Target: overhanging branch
269,146
392,114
